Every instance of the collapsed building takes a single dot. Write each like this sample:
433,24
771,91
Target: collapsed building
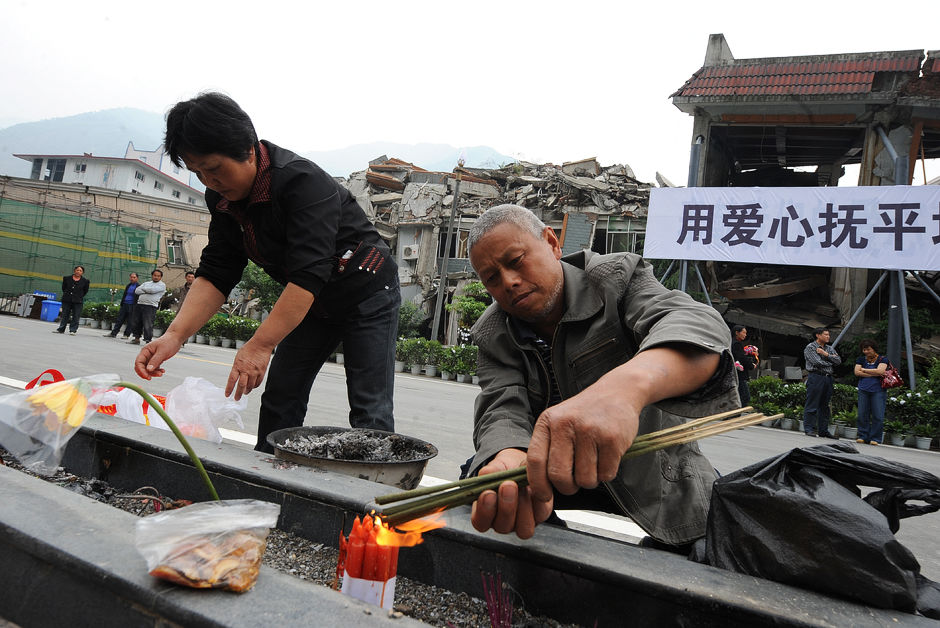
797,121
589,206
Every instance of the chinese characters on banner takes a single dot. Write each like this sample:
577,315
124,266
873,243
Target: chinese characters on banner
890,227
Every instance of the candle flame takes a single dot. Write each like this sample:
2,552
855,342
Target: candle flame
409,533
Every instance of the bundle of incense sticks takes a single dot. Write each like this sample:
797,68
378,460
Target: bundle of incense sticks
421,502
367,568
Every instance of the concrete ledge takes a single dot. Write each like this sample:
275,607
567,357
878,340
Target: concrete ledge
70,561
564,574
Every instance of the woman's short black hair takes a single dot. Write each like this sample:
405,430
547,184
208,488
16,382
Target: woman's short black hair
209,123
738,328
867,343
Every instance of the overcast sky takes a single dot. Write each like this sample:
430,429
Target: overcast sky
542,81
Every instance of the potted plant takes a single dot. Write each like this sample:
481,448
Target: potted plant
472,352
161,321
466,362
242,329
227,332
849,419
412,354
88,313
416,354
110,315
896,432
213,328
432,356
923,435
98,312
400,355
447,362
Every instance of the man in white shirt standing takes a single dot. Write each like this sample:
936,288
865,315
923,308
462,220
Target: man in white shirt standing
149,294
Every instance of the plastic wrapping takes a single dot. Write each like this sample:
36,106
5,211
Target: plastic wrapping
199,408
36,425
799,519
215,545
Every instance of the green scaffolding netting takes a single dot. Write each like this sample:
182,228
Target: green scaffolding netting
39,245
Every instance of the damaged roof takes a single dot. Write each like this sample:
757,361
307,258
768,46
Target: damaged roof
865,74
829,75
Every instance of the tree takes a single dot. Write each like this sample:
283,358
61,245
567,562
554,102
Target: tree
469,306
260,285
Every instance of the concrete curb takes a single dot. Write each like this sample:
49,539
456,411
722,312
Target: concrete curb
564,574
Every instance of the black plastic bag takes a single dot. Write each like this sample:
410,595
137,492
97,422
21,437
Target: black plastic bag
799,519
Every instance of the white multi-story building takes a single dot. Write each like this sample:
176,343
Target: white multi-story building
148,173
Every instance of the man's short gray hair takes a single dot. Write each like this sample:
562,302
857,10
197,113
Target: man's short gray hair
494,216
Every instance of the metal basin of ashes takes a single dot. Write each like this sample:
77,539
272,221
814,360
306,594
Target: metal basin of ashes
376,455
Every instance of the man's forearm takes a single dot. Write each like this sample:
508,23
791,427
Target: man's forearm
661,373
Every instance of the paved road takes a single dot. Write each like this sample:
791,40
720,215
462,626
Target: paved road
426,408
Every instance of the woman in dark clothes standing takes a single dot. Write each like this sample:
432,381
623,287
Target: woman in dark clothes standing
746,360
308,233
74,289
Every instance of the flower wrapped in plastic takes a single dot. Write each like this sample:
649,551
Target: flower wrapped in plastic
36,425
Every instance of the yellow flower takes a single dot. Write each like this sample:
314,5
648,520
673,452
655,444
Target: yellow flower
64,400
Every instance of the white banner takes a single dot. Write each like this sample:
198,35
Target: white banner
886,227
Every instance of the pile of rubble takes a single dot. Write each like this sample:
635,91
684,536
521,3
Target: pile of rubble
395,192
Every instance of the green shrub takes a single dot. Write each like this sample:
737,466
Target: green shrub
925,430
245,327
214,327
163,318
260,285
432,352
412,351
897,427
110,312
844,397
770,392
448,359
466,359
849,417
410,317
97,311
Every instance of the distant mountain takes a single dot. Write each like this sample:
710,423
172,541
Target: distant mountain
106,134
101,133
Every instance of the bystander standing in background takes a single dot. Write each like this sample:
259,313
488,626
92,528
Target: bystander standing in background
820,360
148,299
126,313
746,361
871,396
74,289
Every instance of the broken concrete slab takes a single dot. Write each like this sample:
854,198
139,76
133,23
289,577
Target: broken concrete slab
420,198
582,168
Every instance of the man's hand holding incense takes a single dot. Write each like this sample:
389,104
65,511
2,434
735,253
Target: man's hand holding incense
510,509
579,443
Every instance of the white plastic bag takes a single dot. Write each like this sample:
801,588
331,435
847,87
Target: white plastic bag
199,408
215,545
36,424
128,405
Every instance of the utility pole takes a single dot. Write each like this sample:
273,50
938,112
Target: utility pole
442,282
